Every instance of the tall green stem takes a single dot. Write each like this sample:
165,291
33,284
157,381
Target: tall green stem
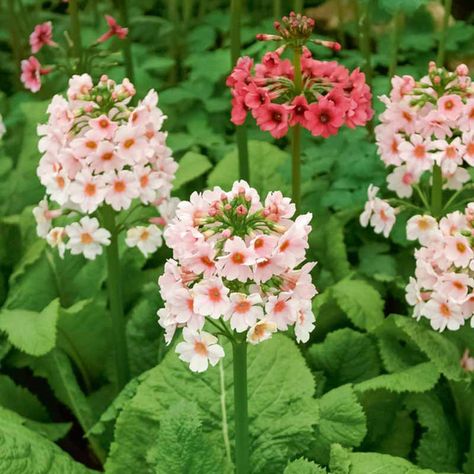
114,288
442,34
76,32
127,45
298,6
296,141
242,463
364,44
276,8
397,26
241,131
437,192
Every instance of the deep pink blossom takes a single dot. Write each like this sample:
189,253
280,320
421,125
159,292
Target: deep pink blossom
114,30
42,35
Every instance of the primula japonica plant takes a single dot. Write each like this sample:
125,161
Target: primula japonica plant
426,137
102,160
320,96
237,272
70,58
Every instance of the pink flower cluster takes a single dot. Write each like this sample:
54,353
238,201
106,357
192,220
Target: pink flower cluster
42,35
443,287
331,96
98,150
428,122
238,265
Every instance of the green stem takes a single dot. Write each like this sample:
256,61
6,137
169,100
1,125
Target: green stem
241,131
442,33
76,32
364,43
242,463
296,140
341,37
396,28
114,288
298,6
437,192
126,43
276,8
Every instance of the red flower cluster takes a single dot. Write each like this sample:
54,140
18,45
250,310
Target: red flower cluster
331,96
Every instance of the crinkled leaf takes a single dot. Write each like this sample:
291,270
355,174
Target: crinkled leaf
29,331
341,420
361,302
346,356
281,407
303,466
24,451
420,378
182,445
438,448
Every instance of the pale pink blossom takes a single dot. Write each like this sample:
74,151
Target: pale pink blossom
199,349
147,239
87,237
421,228
305,322
458,250
211,298
262,331
281,310
87,191
44,216
244,311
443,313
236,262
401,181
121,189
55,239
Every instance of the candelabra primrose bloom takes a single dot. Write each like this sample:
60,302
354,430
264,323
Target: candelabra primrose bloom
98,152
239,267
426,123
324,98
443,287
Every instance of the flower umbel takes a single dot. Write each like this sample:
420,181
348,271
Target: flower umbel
236,270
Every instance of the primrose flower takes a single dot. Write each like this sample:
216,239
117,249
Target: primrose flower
96,155
443,287
238,265
426,123
41,36
31,72
329,95
114,30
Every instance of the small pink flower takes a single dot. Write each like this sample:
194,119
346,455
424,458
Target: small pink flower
416,154
244,310
281,310
273,118
237,260
104,126
401,181
42,35
324,118
421,228
122,188
459,251
31,72
299,106
211,298
114,30
304,324
451,105
262,331
443,313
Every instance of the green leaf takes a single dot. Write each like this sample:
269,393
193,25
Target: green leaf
24,451
376,263
361,302
341,420
303,466
265,162
51,431
57,369
31,332
405,6
438,447
281,407
420,378
442,352
345,462
346,356
191,166
182,446
20,400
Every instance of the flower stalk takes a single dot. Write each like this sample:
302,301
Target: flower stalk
442,34
296,141
437,192
242,464
114,289
241,130
76,32
396,28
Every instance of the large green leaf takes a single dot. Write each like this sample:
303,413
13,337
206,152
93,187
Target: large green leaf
345,462
361,302
182,446
438,447
346,356
29,331
281,408
191,166
419,378
24,451
341,420
265,161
